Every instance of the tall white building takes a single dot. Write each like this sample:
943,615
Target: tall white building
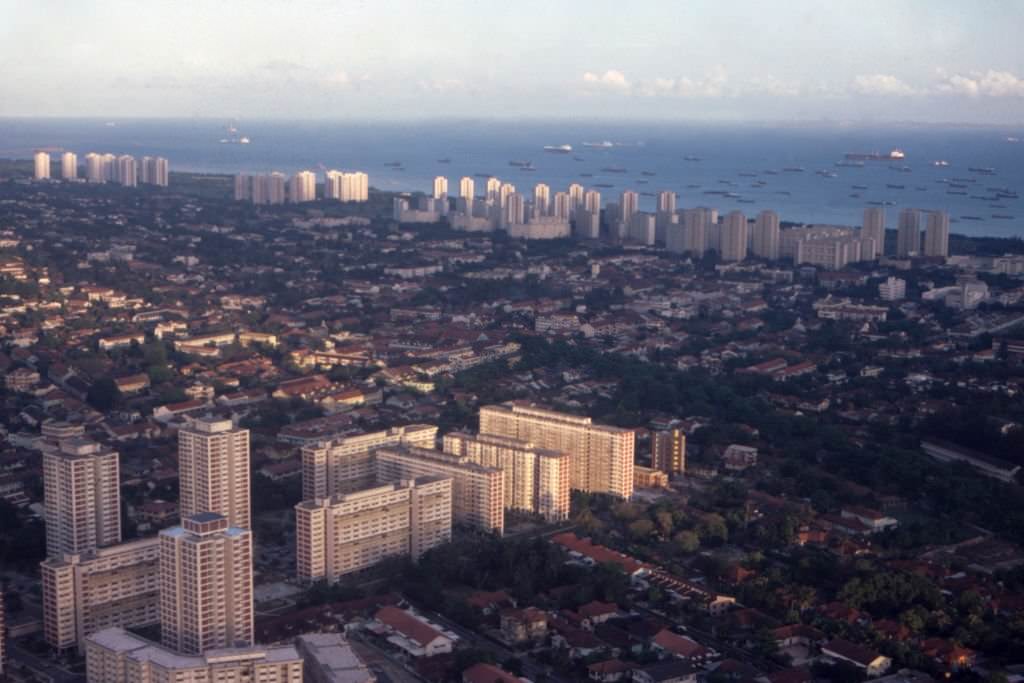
82,497
874,229
691,234
576,194
69,166
667,201
592,202
493,195
504,192
243,187
936,234
94,172
893,289
205,585
908,233
213,470
302,187
629,204
561,206
541,199
41,161
765,242
127,171
440,187
355,187
514,208
734,237
153,171
601,457
466,189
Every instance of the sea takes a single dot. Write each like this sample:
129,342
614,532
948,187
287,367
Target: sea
725,166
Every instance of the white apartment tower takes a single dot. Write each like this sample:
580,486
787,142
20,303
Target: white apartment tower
666,201
493,190
127,171
213,464
629,204
874,229
302,187
82,497
69,166
205,585
936,234
466,189
601,457
734,237
576,195
541,199
765,242
908,233
440,187
41,162
561,206
153,171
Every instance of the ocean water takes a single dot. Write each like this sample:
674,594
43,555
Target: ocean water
746,160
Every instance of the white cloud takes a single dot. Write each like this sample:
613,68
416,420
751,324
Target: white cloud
990,83
882,84
612,79
442,85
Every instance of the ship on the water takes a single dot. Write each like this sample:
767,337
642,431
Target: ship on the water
604,144
558,149
895,153
233,137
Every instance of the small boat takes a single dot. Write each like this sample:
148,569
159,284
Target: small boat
692,187
446,160
770,172
692,158
851,164
971,218
641,182
604,144
393,164
940,162
558,149
784,192
747,175
921,188
877,203
578,159
997,206
647,194
604,185
745,201
855,195
483,175
586,175
895,187
794,169
1003,216
888,202
518,163
649,174
859,187
1012,139
613,169
959,192
983,170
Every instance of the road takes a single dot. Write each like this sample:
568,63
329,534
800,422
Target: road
41,665
381,664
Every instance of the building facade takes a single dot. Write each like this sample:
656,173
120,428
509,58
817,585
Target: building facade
601,457
205,585
82,497
350,532
213,469
668,451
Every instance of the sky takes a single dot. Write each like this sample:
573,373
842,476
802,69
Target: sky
931,61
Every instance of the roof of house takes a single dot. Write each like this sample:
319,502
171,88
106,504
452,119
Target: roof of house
487,673
679,645
851,651
409,626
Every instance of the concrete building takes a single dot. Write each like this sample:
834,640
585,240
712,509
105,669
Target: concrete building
504,192
874,229
561,206
155,171
908,233
601,456
41,165
267,189
765,238
541,200
493,191
213,470
127,171
117,656
668,451
440,187
467,188
114,586
535,480
734,237
330,659
592,202
94,168
689,236
355,187
936,234
330,468
513,209
666,201
302,187
69,166
587,224
243,187
893,289
82,497
205,585
629,204
478,492
354,531
540,228
576,196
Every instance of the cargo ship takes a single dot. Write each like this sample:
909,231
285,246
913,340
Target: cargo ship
895,153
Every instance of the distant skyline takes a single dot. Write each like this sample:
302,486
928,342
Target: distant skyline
870,61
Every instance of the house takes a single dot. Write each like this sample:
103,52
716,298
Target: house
867,660
683,647
948,654
596,612
796,634
488,602
608,671
875,521
737,458
412,634
132,383
522,625
488,673
671,671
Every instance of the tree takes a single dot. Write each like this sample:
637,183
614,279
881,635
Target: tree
103,394
687,541
641,529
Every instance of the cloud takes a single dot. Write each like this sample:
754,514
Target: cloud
990,83
882,84
612,79
442,85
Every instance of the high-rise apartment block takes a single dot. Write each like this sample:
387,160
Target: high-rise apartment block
350,532
114,586
302,187
668,451
213,470
69,166
874,229
466,189
126,171
908,233
893,289
345,465
478,492
346,187
734,237
41,164
536,480
82,497
541,199
765,238
117,656
205,585
601,457
936,234
440,187
154,171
